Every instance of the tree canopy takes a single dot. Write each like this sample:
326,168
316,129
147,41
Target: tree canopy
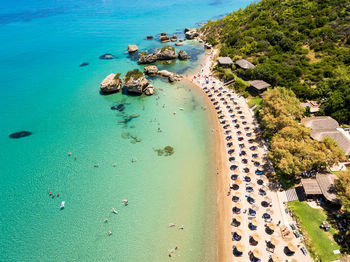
303,45
292,148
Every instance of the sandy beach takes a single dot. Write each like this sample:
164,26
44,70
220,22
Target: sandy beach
229,136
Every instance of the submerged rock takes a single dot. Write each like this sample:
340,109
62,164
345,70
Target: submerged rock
149,37
111,84
20,134
106,57
179,44
84,64
119,107
125,135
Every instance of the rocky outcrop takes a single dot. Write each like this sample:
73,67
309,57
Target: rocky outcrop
149,37
183,55
151,70
132,48
149,90
191,33
173,38
179,43
135,82
164,39
84,64
166,53
111,84
207,46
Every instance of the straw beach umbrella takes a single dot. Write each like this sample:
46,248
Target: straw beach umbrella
276,258
254,222
272,226
238,205
238,194
256,237
239,232
257,253
274,241
268,199
238,218
240,247
238,182
292,247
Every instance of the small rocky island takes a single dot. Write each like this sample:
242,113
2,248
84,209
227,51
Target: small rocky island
136,82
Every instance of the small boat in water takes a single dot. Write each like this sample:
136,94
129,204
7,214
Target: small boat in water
62,205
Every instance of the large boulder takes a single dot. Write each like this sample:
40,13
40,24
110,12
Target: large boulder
151,70
111,84
166,53
164,39
173,38
149,90
164,73
145,58
183,55
132,48
135,81
192,33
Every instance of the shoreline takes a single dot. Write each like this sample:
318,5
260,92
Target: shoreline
223,202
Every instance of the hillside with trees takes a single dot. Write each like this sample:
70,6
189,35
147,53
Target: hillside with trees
302,45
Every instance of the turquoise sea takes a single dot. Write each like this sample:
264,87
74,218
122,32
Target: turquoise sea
44,91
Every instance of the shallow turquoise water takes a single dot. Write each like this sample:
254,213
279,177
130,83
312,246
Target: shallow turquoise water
46,92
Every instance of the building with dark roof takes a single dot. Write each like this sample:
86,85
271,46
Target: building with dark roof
258,86
321,186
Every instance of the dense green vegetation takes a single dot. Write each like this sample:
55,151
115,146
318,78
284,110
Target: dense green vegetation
303,45
171,48
135,74
292,149
117,76
319,243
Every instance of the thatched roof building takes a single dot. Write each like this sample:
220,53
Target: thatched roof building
322,185
323,126
244,64
225,61
258,86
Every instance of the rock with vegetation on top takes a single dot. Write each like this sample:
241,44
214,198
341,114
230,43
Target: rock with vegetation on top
111,84
135,81
166,53
183,55
132,48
